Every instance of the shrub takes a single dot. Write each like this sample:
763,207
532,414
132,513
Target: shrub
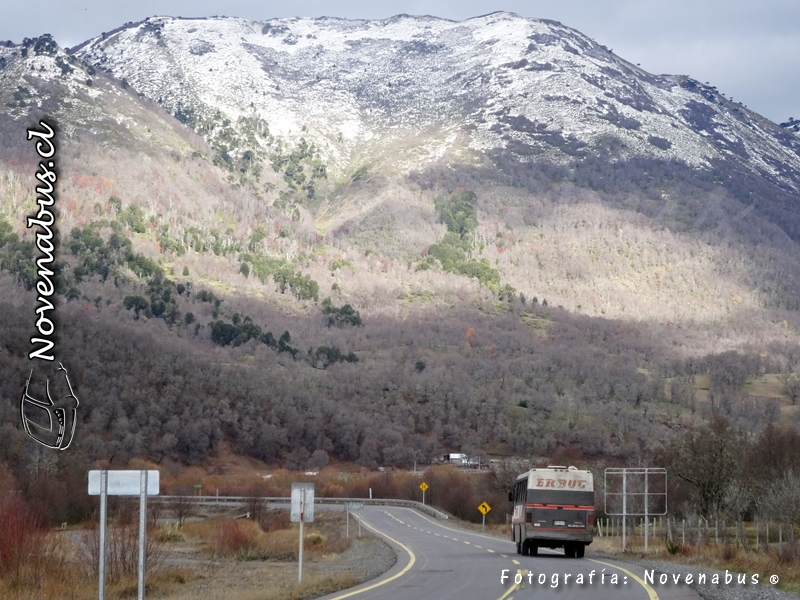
314,539
20,537
340,315
122,551
235,538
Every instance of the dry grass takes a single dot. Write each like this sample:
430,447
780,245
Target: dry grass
783,561
220,558
272,582
242,539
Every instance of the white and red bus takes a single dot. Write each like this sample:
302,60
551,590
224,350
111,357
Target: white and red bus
553,508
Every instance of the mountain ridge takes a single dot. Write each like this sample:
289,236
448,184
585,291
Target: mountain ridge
608,95
377,188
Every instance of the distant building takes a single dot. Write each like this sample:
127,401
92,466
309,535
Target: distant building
455,459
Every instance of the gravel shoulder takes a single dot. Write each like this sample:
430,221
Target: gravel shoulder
762,590
367,558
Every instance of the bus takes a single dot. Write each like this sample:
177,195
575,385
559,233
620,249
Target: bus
553,508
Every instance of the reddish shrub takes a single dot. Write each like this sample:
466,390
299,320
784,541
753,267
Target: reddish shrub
235,538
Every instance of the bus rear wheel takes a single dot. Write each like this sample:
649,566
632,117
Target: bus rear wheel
569,550
580,550
519,547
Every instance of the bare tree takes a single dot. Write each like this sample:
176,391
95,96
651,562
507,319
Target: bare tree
505,472
791,386
783,499
122,552
710,459
181,505
255,502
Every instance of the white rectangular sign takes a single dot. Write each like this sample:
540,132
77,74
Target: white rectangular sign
124,483
302,502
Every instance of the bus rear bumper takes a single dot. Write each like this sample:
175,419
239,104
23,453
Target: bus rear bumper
557,538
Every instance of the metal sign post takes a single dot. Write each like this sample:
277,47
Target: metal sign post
484,508
353,506
624,507
646,516
300,556
142,530
123,483
302,509
103,509
641,486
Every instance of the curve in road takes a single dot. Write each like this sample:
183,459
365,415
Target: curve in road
437,561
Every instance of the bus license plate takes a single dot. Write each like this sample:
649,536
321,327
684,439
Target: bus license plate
559,523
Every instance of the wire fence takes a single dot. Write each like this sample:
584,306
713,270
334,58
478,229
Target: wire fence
759,535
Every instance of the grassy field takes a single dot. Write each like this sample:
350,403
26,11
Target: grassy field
782,560
219,558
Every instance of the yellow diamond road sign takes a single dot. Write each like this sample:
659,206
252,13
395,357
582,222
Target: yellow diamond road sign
423,486
484,508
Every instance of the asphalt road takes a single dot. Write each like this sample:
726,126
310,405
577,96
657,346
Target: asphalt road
437,561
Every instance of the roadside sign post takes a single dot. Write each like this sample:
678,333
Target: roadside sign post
300,556
484,508
353,506
624,506
123,483
302,510
142,529
423,486
640,486
102,558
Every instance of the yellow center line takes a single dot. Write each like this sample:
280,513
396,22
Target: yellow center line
513,588
650,591
492,551
516,562
466,543
481,547
405,569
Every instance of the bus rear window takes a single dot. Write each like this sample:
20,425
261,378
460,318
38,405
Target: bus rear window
561,497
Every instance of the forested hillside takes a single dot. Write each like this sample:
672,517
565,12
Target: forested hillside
305,295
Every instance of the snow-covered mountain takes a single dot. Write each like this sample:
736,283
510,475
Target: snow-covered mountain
436,159
416,88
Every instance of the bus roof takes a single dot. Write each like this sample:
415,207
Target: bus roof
556,477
